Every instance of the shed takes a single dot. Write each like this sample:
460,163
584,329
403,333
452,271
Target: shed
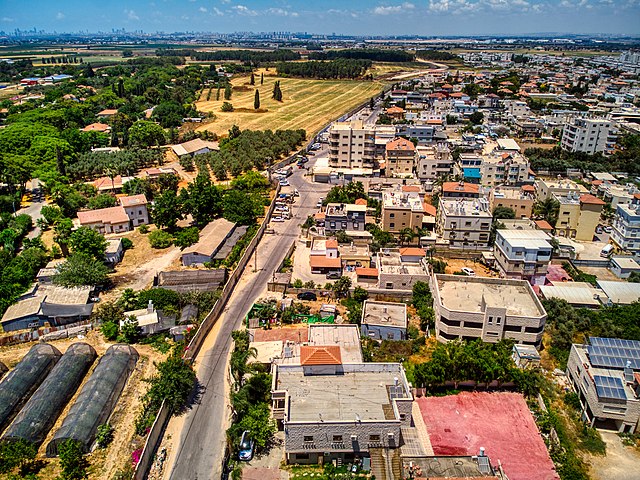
624,266
211,239
191,280
623,293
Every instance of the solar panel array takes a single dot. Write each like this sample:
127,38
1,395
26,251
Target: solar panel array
614,352
396,391
609,387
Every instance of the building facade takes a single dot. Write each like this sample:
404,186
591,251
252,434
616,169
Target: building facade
352,145
523,254
344,216
464,223
401,210
517,199
588,135
433,162
578,216
626,227
400,158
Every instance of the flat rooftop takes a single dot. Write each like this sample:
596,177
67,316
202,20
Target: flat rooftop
391,263
402,200
525,238
465,207
346,336
473,294
583,355
363,394
387,314
499,422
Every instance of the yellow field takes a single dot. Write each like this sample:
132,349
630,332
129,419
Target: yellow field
307,104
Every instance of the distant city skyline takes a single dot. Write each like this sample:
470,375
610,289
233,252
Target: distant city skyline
356,17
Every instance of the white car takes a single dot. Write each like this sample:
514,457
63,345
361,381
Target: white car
468,271
277,219
284,183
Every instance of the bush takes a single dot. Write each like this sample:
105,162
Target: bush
186,237
74,465
19,454
144,229
104,436
226,107
297,283
160,239
110,330
127,243
130,331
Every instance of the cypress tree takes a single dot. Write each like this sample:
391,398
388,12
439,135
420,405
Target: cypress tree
120,87
218,93
253,79
262,78
227,92
256,100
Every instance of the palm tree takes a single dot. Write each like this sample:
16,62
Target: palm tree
407,235
548,210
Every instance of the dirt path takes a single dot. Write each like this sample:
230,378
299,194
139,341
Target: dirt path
620,463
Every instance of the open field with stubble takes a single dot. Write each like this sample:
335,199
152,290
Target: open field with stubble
308,104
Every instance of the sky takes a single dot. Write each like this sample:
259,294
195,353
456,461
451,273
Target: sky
356,17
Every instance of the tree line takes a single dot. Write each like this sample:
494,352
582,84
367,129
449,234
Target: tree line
374,54
249,56
341,68
436,55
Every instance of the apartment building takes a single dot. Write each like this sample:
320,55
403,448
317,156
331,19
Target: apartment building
469,167
578,216
334,411
605,375
422,133
400,155
509,168
546,188
487,308
588,135
401,210
344,216
433,162
523,254
352,145
617,194
464,223
460,190
626,227
516,198
384,134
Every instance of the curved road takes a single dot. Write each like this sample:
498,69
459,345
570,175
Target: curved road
200,448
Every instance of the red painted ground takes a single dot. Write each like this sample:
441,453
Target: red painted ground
499,422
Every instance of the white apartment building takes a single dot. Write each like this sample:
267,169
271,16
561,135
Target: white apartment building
491,309
464,223
434,161
546,188
502,168
516,108
588,135
626,227
352,145
523,254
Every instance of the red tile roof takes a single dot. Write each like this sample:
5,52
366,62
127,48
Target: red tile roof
328,355
596,182
590,199
429,209
412,252
331,243
366,272
395,110
411,188
360,201
110,215
320,261
400,144
450,187
96,127
105,183
543,225
133,200
528,188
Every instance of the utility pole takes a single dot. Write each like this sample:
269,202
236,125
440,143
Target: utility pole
255,259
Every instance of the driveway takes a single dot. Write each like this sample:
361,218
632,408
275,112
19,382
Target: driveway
620,463
34,208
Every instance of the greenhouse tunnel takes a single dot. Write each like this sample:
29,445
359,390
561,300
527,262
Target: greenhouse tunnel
42,410
24,379
97,399
3,369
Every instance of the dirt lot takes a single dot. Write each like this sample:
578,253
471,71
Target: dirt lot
455,264
620,463
103,463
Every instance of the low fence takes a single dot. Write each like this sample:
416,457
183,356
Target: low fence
153,441
604,263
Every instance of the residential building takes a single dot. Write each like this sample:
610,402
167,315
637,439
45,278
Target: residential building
352,145
626,227
464,223
617,194
460,190
384,320
135,207
546,188
324,256
487,308
578,216
623,266
509,168
433,162
400,158
401,210
131,212
212,237
394,274
516,198
150,320
194,147
422,133
344,216
114,252
605,375
588,135
523,254
469,167
383,135
331,411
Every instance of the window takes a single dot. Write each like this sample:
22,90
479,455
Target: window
308,438
498,321
467,224
374,438
490,320
392,215
302,456
337,438
392,225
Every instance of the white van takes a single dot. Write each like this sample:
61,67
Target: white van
606,251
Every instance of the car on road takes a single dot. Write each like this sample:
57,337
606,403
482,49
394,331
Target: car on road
309,296
277,219
468,271
245,452
319,204
284,183
333,275
599,229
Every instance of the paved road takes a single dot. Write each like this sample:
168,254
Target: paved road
34,208
200,449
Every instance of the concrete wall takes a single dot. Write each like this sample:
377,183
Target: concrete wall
383,332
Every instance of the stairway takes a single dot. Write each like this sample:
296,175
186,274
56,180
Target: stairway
378,463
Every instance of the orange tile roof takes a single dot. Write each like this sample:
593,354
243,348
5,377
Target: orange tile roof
105,183
400,144
410,188
327,355
596,182
412,251
108,111
636,196
590,199
366,272
543,225
434,121
319,215
110,215
395,110
361,201
446,85
320,261
96,127
331,243
451,187
133,200
528,188
429,209
457,95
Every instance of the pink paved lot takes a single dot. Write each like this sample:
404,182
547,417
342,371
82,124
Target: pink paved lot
499,422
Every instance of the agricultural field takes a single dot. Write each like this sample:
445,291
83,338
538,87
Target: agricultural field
307,104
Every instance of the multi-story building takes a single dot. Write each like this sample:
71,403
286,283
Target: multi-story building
433,162
546,188
422,133
131,212
464,223
460,190
330,410
469,167
517,199
384,134
605,376
578,216
588,135
401,210
400,158
491,309
352,145
626,227
344,216
384,320
394,273
509,168
523,254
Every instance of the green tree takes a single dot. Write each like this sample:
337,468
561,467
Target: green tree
110,330
262,78
341,287
88,241
256,100
104,200
160,239
80,269
476,118
252,80
186,237
239,208
227,91
18,454
548,210
503,213
202,199
146,134
104,436
130,331
166,210
226,107
258,421
72,461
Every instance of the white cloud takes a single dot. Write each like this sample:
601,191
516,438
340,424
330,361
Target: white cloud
7,19
202,9
281,12
217,11
243,10
59,16
131,15
392,9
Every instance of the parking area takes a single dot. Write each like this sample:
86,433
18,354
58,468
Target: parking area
457,264
302,267
266,466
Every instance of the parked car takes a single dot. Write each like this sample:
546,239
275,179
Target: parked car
599,229
319,204
468,271
333,275
246,447
277,219
310,296
284,183
607,229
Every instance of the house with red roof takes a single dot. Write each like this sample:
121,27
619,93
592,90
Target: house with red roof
400,156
